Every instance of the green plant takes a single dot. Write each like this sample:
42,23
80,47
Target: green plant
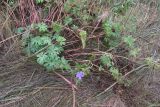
48,48
78,8
47,43
57,27
19,30
152,63
11,2
129,40
115,73
61,40
112,33
83,36
83,67
39,1
80,71
68,20
51,59
106,60
42,27
134,52
122,7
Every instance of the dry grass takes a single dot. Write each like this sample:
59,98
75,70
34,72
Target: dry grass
24,83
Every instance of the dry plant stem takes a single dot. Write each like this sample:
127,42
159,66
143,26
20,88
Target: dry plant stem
95,27
59,16
136,69
71,84
71,31
74,96
99,53
92,37
9,38
22,34
57,102
11,47
99,21
55,88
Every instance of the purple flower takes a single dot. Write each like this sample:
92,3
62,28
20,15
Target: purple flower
80,75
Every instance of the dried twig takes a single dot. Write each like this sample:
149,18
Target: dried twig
74,96
72,85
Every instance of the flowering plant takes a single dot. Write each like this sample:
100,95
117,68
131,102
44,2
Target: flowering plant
80,75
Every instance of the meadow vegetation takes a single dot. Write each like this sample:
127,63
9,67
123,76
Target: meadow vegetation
76,39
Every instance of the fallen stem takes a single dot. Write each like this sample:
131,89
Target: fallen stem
72,85
74,96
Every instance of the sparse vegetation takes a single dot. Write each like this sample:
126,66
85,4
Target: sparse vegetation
82,40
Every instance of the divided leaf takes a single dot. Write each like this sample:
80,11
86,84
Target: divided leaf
42,27
129,40
57,27
134,52
115,73
42,58
38,40
68,20
106,60
61,40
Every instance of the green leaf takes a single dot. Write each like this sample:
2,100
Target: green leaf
49,57
42,58
57,27
54,50
42,27
106,60
114,43
64,64
68,20
83,67
67,6
117,27
112,33
150,61
20,30
129,40
36,41
50,65
100,68
74,27
46,40
115,73
61,40
134,52
39,1
83,36
107,25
